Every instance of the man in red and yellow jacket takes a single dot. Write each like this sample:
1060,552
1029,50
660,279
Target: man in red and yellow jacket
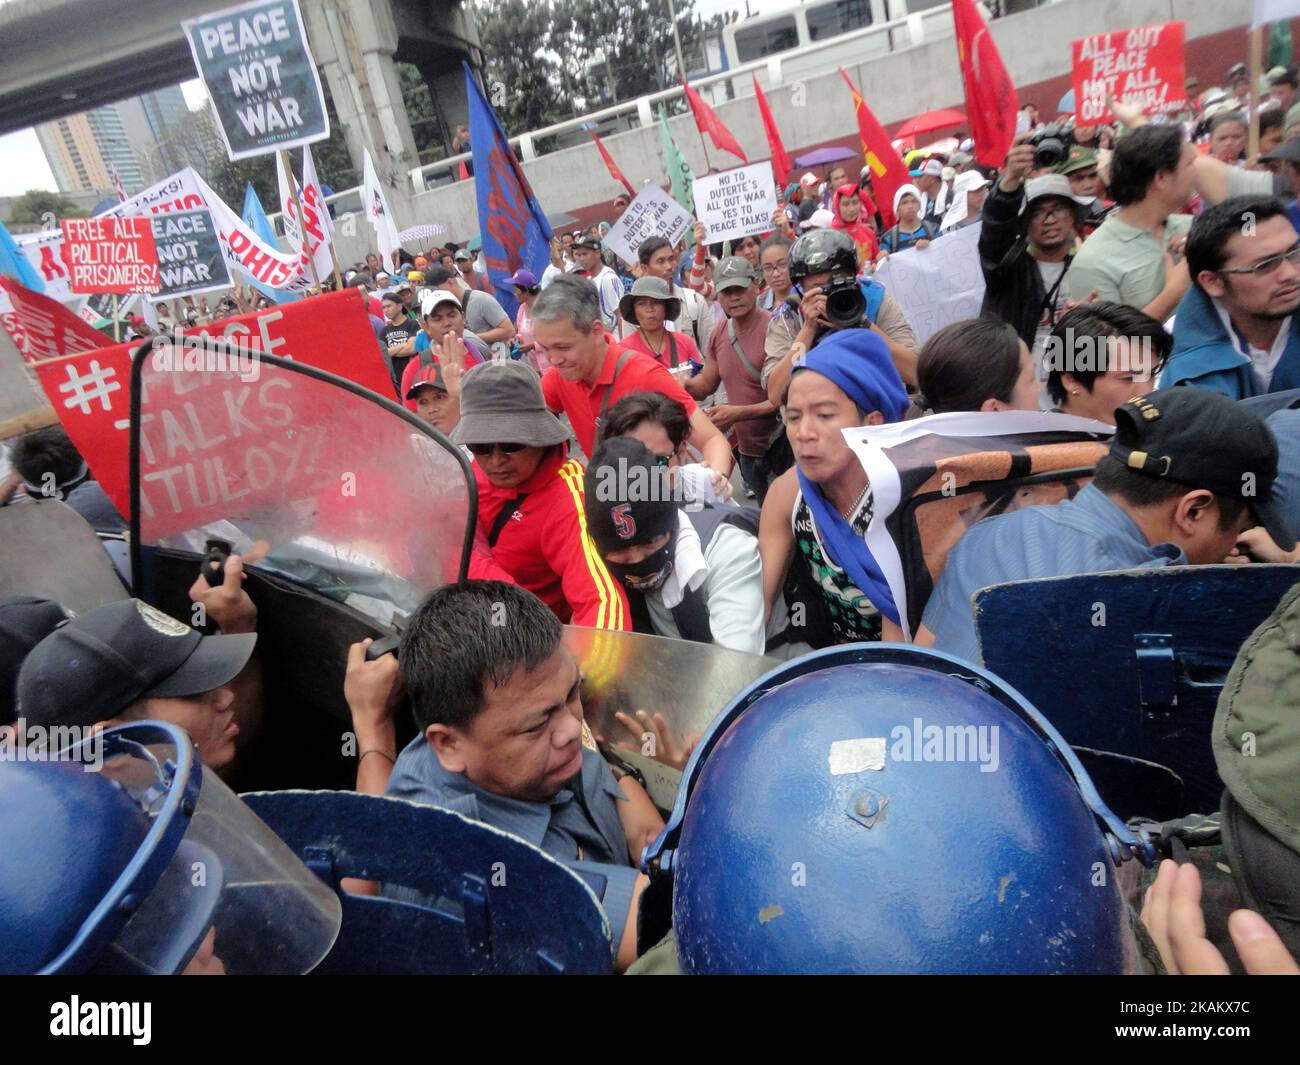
530,496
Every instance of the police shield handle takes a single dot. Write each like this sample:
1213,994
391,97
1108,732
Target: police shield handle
305,250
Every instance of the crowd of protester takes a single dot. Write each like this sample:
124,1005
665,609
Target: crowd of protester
659,445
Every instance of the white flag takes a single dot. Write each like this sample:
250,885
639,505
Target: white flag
312,237
378,213
1267,11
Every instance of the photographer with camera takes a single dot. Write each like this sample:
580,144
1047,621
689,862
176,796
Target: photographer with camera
829,296
1027,247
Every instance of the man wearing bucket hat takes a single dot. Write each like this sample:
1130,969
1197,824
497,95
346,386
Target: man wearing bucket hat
1189,471
530,496
649,309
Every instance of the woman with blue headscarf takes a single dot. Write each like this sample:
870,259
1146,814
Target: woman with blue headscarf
815,517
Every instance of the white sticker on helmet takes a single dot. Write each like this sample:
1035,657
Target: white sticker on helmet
857,756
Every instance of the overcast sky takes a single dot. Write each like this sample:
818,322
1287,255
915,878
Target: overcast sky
23,165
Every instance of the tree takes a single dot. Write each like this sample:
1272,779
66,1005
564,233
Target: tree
522,70
41,208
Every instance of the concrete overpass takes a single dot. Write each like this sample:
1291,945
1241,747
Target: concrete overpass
66,56
812,106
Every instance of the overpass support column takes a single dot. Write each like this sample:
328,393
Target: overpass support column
353,41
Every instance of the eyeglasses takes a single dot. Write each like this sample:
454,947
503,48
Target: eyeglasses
1266,266
776,268
1048,210
482,451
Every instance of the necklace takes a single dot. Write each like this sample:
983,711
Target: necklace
847,515
658,351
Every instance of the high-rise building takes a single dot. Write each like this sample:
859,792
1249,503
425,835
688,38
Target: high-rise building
144,139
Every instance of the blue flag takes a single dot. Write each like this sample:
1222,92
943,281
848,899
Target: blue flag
255,216
14,263
514,231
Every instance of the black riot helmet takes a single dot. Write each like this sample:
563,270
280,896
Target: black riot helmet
820,250
833,250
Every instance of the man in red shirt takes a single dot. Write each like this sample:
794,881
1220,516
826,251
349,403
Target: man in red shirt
590,371
530,496
734,355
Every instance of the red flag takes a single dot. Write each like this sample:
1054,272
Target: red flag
707,121
612,166
888,171
780,161
991,102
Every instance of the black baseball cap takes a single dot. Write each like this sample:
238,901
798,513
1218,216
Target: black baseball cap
629,497
1202,439
587,240
93,667
25,620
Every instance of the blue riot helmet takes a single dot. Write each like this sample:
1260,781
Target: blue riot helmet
880,808
121,854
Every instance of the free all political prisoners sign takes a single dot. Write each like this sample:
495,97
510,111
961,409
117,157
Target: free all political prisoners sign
736,203
1144,65
259,73
190,259
110,255
653,213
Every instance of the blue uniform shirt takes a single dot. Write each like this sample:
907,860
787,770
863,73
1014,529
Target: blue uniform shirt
1088,534
580,826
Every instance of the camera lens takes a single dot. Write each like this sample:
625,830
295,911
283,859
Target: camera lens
1049,153
845,304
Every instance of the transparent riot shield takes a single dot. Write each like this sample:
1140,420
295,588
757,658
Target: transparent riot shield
628,678
305,474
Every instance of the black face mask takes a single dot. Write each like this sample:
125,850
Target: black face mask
650,572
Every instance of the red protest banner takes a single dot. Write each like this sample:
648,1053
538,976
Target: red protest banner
1144,65
43,328
205,427
110,255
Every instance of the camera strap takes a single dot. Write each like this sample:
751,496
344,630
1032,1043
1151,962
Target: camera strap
1049,300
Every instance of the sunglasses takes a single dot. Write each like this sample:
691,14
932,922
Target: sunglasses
484,450
1266,266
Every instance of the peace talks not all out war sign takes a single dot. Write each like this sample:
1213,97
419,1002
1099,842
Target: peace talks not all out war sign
190,259
736,203
1144,65
653,213
259,73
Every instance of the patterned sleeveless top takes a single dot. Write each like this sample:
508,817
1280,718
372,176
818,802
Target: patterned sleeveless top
854,618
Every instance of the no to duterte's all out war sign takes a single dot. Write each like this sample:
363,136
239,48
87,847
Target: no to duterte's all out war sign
110,255
1144,65
259,73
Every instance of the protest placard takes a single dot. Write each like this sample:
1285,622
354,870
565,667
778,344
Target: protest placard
90,393
1144,65
190,259
736,203
244,250
44,250
110,255
653,213
938,285
43,328
259,73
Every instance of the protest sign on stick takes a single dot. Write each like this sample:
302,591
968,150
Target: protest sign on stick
736,203
938,285
260,76
190,259
652,213
110,255
1144,65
